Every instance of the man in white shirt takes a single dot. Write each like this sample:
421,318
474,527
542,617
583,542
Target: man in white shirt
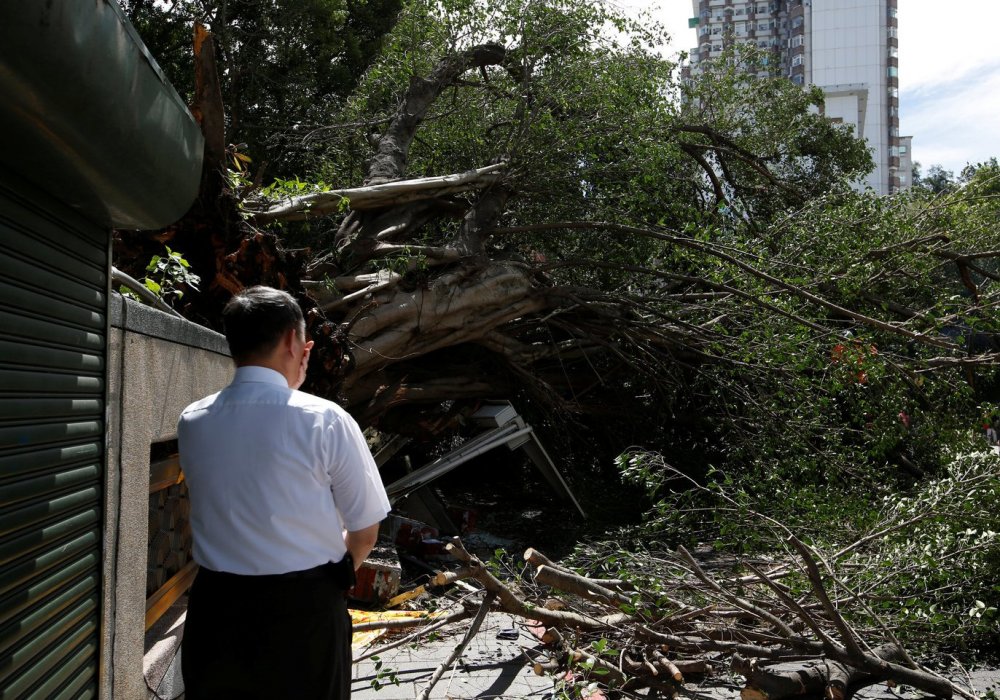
285,505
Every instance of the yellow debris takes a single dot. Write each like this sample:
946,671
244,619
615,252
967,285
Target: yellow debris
366,637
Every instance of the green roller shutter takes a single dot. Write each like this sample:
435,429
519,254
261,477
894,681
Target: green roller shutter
53,310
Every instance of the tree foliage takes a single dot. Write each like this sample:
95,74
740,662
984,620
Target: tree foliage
286,65
921,568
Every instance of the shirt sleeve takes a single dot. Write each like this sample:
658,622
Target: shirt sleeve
357,487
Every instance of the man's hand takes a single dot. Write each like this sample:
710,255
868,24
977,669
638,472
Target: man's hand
303,364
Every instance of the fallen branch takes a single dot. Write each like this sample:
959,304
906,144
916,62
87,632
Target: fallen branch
830,678
783,646
318,204
578,585
459,648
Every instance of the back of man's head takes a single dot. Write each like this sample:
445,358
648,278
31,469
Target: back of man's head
256,319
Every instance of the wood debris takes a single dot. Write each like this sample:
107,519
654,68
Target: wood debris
605,634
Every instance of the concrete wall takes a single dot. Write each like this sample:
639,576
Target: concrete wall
157,365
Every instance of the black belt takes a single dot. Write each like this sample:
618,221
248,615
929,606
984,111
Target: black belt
337,571
341,573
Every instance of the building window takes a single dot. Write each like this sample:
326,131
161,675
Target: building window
717,30
796,41
797,60
892,12
798,22
892,33
798,79
893,52
893,72
903,150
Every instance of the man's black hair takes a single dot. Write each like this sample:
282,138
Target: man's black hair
257,318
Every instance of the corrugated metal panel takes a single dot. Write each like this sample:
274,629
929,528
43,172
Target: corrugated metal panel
53,310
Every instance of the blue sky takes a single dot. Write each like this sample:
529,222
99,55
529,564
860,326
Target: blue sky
949,75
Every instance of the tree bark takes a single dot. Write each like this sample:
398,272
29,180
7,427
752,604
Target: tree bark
389,162
381,196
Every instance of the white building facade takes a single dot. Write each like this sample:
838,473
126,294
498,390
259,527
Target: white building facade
848,48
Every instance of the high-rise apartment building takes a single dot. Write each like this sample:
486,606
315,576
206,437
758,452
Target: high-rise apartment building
849,48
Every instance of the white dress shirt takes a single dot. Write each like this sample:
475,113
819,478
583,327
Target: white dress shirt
274,477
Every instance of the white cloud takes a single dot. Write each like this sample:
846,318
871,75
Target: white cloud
939,43
949,81
954,124
673,14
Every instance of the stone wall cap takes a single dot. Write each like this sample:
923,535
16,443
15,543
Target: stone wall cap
134,317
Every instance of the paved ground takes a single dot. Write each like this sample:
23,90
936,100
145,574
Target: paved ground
492,666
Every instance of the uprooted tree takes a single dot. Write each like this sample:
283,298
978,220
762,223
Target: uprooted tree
532,208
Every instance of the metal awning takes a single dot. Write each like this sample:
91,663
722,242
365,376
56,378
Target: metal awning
508,429
88,116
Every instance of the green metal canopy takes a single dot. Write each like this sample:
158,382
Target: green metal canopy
88,116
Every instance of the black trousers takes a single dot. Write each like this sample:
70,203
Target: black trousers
267,637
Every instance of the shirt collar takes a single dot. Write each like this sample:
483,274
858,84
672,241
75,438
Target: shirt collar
256,373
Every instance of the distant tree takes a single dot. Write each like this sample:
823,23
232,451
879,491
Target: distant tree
986,168
937,180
